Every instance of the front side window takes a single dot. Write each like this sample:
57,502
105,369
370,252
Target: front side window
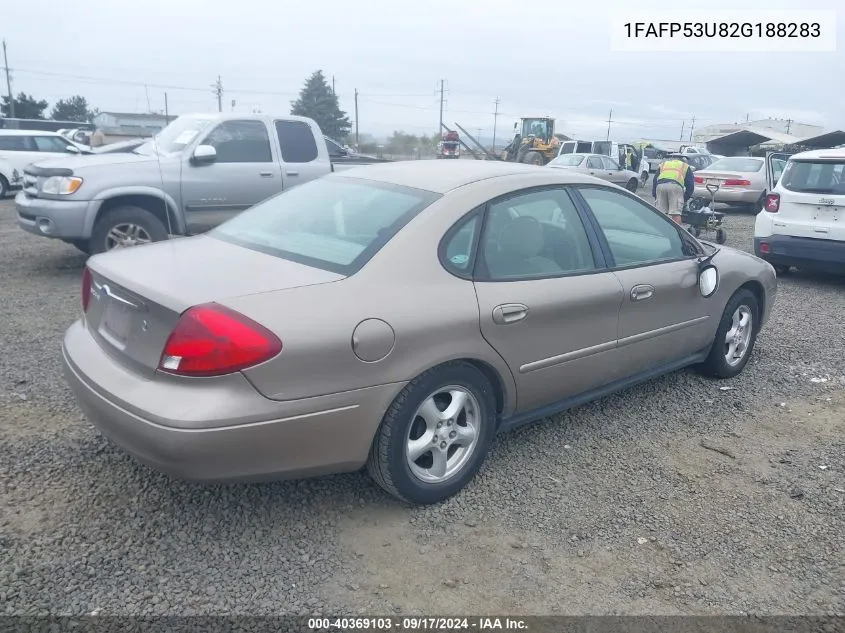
333,223
636,234
50,144
533,235
240,142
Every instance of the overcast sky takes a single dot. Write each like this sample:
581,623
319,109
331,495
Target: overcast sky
544,57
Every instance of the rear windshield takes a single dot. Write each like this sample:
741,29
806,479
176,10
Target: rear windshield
737,163
333,223
814,176
567,160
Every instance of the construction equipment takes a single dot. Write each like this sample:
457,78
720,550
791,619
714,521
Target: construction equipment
534,141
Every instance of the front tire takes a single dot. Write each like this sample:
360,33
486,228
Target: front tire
533,158
735,336
435,435
644,178
632,185
126,226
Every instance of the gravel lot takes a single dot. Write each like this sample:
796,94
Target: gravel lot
613,508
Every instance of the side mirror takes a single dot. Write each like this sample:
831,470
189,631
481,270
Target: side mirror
708,280
204,155
72,149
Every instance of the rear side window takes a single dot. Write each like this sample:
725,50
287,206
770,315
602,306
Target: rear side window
297,141
16,144
814,176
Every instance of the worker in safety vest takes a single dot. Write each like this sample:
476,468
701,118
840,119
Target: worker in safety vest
673,185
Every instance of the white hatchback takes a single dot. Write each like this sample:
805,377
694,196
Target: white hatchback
802,223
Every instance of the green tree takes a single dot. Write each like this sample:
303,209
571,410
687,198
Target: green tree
317,102
74,108
26,107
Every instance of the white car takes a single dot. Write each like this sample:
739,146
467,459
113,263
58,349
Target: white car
19,148
802,223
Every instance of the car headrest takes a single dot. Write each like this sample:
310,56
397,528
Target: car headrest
521,237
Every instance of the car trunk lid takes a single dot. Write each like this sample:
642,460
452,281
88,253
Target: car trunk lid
137,294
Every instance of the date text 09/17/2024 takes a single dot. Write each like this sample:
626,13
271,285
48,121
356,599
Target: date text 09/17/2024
723,29
418,624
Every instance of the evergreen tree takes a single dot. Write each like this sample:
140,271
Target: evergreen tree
317,102
26,107
74,108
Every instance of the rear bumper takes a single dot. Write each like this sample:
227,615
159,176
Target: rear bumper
63,219
802,252
730,196
222,430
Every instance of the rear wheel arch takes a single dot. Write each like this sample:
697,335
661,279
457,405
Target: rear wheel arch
493,375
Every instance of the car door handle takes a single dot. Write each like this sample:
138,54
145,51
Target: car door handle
266,174
509,313
291,172
642,292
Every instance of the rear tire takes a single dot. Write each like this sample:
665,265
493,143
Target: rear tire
390,463
4,187
742,303
129,221
632,185
721,236
782,271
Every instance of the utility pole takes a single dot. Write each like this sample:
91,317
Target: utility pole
217,89
789,123
495,118
691,128
357,145
609,119
440,129
334,94
683,124
166,111
8,82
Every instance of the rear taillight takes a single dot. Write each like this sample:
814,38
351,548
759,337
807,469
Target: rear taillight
212,340
733,182
764,248
699,180
772,202
86,289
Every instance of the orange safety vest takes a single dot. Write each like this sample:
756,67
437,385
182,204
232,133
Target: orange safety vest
675,170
